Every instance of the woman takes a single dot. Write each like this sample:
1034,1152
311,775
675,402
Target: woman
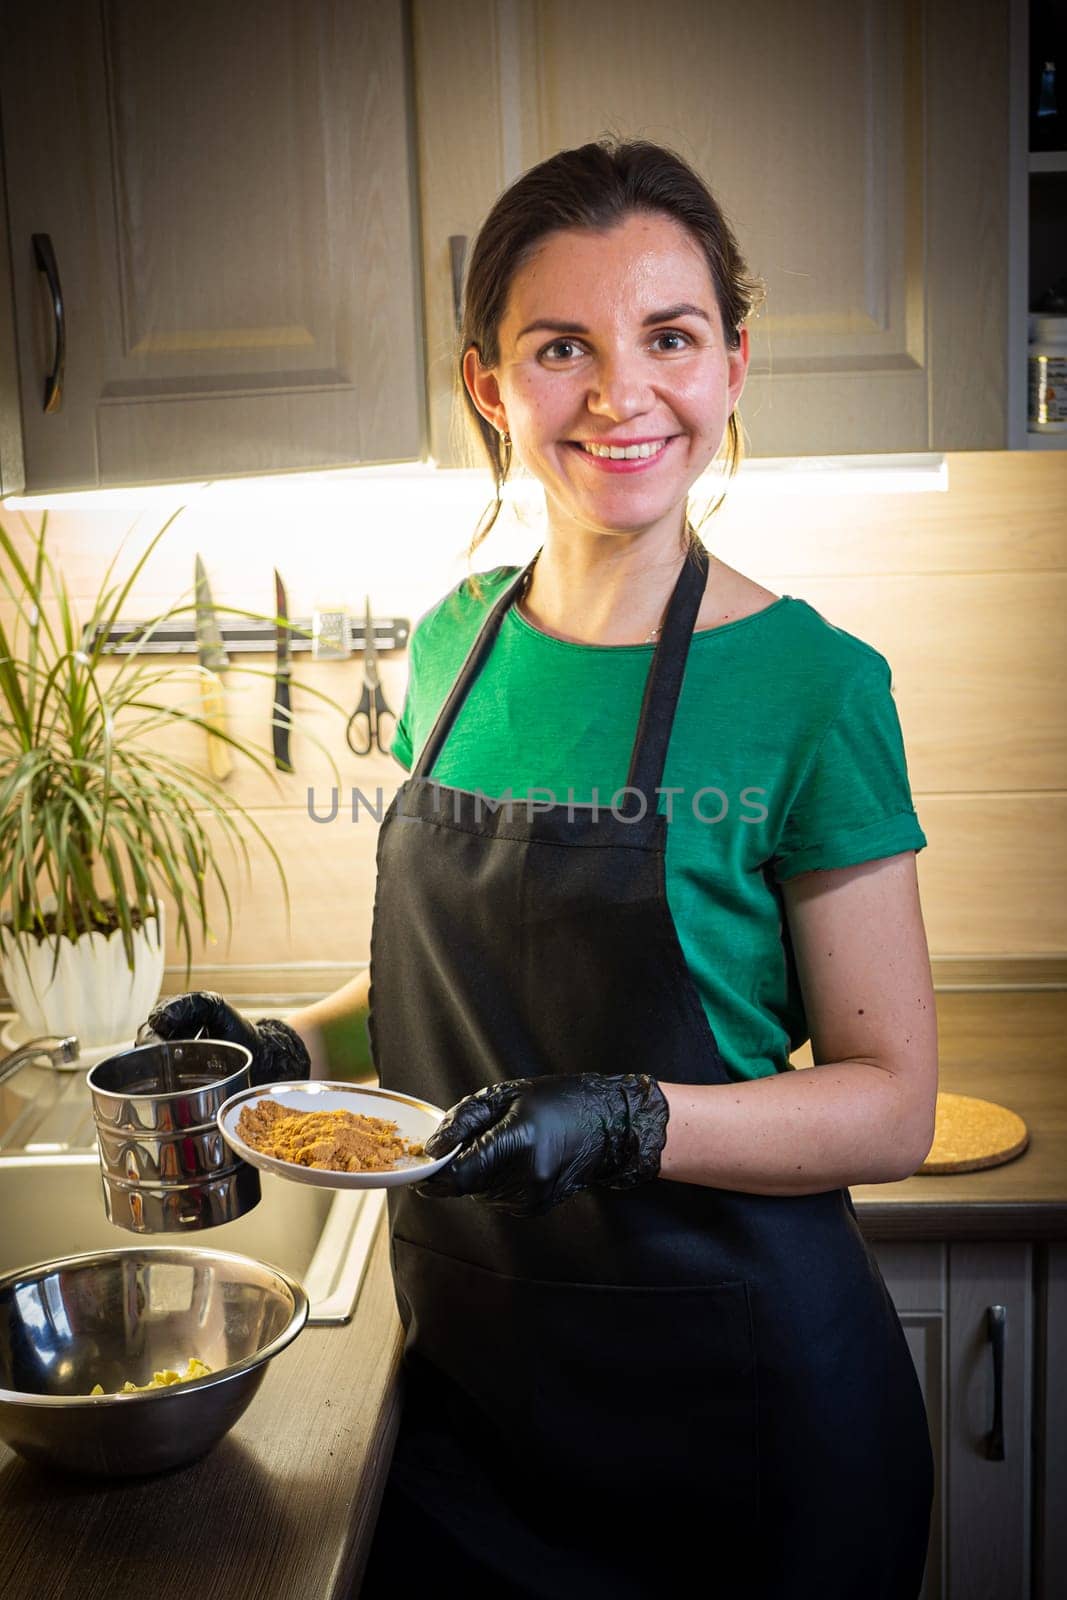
644,1336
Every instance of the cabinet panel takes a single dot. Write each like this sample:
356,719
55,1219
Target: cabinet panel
858,150
464,161
983,1502
827,123
229,193
843,141
989,1500
916,1276
925,1332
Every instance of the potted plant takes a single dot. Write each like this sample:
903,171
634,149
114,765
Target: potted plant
99,823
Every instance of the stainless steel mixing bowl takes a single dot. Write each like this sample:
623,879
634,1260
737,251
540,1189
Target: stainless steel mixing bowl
114,1315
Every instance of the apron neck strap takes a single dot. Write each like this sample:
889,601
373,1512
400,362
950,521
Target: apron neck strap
475,660
664,682
662,687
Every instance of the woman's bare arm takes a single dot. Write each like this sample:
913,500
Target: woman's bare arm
335,1031
865,1112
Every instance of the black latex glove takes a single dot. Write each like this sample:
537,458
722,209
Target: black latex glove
531,1142
278,1052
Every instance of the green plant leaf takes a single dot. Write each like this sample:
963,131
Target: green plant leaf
95,817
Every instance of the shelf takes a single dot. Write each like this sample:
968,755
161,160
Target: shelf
1037,233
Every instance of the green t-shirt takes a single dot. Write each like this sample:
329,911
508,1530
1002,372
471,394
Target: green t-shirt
786,755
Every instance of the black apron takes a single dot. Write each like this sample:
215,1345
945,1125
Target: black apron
644,1383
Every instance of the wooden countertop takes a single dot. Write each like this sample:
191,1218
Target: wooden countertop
1011,1047
284,1505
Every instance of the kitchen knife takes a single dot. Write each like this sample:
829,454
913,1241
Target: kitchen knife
282,678
213,659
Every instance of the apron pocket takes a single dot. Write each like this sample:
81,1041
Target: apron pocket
615,1394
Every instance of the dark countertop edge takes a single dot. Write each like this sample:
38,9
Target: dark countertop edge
352,1557
966,1219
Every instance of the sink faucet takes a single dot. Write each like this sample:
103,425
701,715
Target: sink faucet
56,1051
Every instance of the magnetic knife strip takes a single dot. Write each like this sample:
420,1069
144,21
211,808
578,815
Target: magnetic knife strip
179,638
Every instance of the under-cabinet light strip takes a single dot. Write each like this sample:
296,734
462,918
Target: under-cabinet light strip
787,475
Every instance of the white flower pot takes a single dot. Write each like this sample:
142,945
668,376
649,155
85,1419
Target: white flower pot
93,993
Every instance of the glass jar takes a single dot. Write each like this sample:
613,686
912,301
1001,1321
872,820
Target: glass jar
1047,368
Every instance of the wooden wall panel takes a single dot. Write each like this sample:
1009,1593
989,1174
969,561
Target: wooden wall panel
1004,512
993,881
994,876
964,593
330,871
978,662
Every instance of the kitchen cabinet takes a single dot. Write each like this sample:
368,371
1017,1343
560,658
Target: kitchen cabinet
213,245
997,1523
232,200
860,152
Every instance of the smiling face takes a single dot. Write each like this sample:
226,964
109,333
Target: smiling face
613,339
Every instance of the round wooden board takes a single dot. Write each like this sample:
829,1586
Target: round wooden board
970,1134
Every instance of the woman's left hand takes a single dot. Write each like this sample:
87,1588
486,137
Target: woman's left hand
531,1142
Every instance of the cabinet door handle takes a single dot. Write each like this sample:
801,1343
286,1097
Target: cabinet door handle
45,260
996,1325
457,250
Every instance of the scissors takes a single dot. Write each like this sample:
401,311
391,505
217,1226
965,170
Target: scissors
365,735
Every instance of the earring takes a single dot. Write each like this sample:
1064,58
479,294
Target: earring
505,439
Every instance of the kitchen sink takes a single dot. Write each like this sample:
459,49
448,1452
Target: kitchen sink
52,1203
54,1206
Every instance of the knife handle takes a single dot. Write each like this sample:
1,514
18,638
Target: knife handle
214,711
281,717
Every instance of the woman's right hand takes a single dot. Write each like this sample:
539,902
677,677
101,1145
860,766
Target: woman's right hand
278,1053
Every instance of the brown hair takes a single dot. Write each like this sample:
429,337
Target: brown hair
594,186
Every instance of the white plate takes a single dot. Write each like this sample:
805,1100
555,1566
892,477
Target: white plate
14,1034
415,1120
